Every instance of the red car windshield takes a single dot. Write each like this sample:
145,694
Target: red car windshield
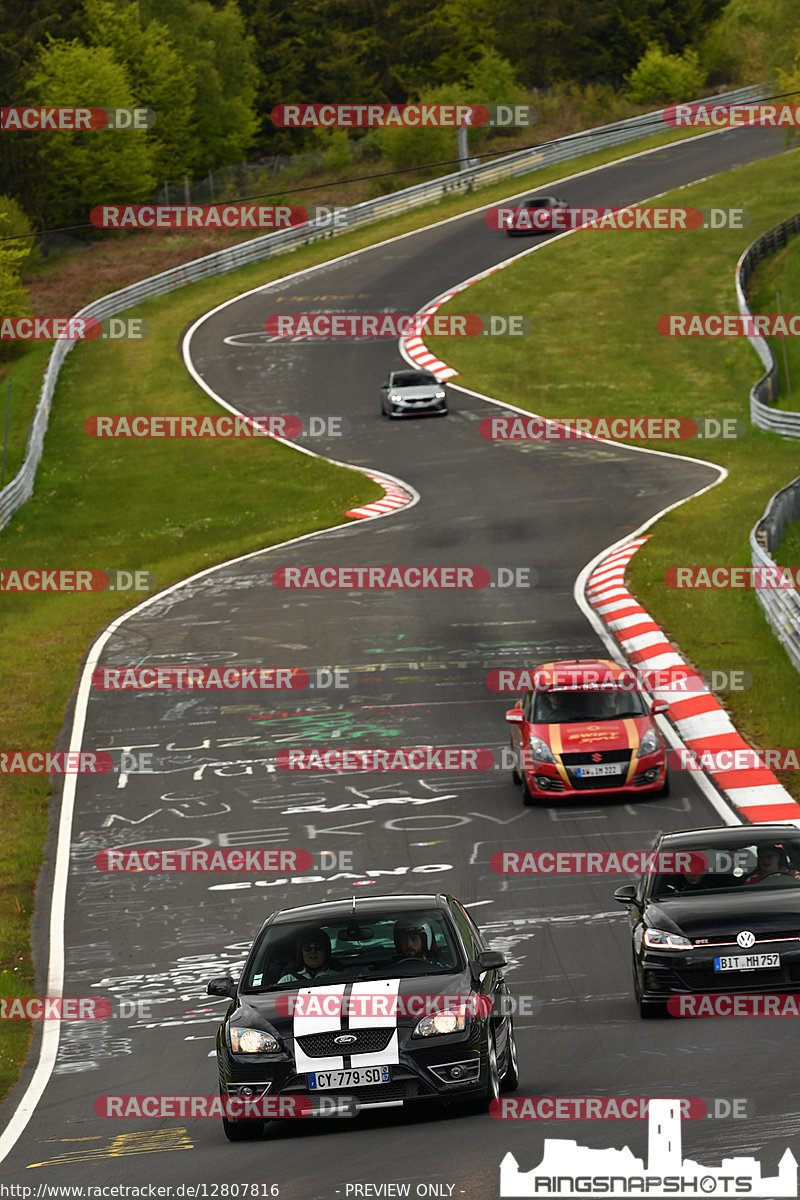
551,708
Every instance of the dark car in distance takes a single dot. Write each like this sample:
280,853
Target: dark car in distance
728,922
412,393
537,214
381,1001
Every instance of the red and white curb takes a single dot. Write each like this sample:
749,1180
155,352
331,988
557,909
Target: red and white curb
418,352
699,718
396,497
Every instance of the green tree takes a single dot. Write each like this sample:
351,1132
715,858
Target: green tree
659,77
749,42
158,77
78,170
218,57
14,255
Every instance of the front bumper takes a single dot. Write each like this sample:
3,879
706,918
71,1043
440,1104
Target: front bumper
662,975
545,779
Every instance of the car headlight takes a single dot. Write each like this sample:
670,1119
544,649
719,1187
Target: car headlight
540,750
439,396
662,939
252,1041
449,1020
650,743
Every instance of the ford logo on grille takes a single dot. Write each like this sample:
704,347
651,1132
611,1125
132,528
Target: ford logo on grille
746,939
345,1039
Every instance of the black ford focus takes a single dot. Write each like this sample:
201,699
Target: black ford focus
368,1002
720,913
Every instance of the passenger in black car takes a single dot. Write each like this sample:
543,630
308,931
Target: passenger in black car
772,860
313,958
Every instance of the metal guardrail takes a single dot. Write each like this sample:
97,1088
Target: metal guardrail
762,413
510,166
781,605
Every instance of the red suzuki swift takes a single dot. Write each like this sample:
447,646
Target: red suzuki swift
587,727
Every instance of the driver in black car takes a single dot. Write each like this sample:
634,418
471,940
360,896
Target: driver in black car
411,941
772,860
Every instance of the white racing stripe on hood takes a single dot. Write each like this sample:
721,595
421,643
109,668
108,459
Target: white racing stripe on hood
327,998
373,1018
319,1010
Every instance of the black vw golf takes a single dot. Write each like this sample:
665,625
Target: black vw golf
719,913
372,1002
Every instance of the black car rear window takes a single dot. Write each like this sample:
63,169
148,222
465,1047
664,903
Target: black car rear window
360,948
412,378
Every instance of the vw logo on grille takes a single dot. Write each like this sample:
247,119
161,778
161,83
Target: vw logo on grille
345,1039
746,939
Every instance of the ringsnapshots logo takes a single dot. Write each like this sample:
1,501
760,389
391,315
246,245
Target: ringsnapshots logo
402,116
75,119
409,578
72,329
327,326
567,1169
218,426
522,429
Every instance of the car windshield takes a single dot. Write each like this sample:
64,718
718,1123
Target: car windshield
553,707
731,868
387,945
545,203
402,379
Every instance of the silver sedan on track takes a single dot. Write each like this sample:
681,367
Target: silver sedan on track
411,393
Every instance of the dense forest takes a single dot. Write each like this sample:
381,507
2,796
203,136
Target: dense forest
213,70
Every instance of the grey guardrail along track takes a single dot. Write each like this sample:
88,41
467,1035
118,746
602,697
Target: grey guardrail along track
765,389
781,605
20,488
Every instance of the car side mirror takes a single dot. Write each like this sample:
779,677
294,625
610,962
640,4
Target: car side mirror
627,895
659,706
223,985
515,716
489,960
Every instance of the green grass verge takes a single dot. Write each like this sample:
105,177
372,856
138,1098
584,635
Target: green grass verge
27,368
594,299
